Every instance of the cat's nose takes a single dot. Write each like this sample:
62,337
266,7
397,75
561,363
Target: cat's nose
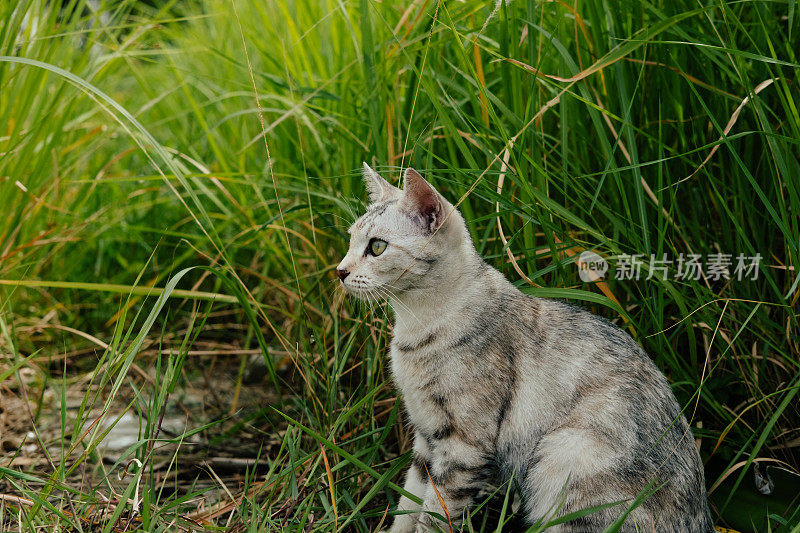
342,273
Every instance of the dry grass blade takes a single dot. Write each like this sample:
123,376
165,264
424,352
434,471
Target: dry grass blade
500,179
331,485
729,126
441,500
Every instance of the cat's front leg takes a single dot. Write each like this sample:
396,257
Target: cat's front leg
458,471
416,484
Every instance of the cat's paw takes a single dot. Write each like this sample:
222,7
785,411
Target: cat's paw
401,524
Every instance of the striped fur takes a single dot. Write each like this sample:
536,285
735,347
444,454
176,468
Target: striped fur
497,383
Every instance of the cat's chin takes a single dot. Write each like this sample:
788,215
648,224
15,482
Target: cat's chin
365,295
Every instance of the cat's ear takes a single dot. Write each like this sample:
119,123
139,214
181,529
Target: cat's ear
377,187
421,201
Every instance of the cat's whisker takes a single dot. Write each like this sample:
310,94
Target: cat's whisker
397,301
369,297
345,222
384,297
379,302
351,210
391,290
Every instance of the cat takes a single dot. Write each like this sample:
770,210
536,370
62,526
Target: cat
498,383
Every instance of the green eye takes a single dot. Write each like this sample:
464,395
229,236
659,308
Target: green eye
376,247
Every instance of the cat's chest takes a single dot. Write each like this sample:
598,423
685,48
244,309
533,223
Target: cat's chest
436,389
425,361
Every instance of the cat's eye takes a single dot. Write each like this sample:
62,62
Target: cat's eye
376,247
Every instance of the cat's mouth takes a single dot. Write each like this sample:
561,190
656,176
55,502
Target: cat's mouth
368,294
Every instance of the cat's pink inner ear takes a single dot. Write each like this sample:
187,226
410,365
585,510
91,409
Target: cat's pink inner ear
420,199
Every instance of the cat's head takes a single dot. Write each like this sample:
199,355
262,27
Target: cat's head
406,241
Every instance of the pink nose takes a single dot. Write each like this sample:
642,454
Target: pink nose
342,273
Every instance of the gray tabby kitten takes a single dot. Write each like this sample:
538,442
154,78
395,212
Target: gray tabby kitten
499,383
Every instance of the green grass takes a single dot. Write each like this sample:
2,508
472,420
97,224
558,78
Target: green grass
151,253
